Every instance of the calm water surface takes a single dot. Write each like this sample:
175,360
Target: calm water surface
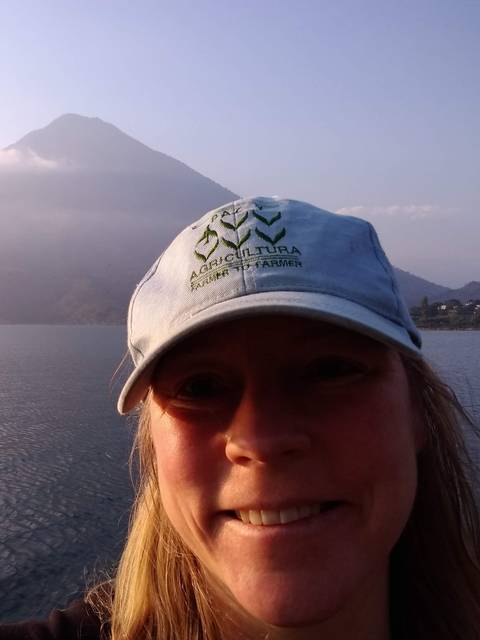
65,489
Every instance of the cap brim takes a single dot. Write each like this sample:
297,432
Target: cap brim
328,308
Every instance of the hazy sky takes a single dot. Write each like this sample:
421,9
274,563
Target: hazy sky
363,106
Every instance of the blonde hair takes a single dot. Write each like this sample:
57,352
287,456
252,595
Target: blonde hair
435,570
161,592
160,589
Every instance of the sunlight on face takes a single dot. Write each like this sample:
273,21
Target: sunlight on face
286,455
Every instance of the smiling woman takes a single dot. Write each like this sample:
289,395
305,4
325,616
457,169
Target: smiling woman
288,472
303,472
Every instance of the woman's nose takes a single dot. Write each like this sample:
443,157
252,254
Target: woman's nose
264,429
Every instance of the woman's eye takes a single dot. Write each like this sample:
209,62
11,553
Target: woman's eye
201,387
201,392
336,370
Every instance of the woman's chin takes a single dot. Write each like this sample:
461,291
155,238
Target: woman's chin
281,602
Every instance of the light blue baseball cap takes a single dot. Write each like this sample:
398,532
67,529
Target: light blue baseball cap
265,255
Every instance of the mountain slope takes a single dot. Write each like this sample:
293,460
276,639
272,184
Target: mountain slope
84,209
91,143
414,288
91,164
470,291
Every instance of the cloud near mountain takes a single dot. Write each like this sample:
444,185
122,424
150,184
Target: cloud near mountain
25,160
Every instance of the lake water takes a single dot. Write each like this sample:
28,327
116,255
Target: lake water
65,489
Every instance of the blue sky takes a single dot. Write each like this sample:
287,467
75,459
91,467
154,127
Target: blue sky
370,107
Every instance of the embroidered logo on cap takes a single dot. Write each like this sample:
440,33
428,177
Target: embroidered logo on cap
207,243
235,240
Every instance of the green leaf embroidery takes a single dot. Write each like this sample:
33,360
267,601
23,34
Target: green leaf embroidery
232,245
265,220
274,240
234,227
208,233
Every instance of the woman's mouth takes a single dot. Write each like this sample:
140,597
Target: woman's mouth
269,517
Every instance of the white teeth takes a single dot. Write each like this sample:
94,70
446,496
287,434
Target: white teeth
283,516
255,517
288,515
270,517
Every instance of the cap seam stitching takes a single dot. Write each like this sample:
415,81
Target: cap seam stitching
238,240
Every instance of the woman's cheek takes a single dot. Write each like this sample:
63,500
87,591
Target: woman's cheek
171,447
184,454
371,441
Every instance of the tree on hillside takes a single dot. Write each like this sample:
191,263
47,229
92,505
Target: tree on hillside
425,309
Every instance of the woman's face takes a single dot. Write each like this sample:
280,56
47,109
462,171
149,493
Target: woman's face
286,455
